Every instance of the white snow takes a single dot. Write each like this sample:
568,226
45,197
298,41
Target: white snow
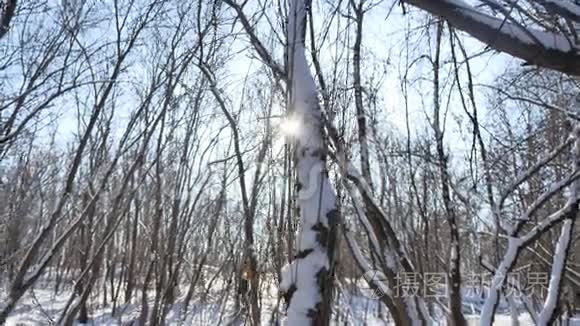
316,198
41,306
498,280
527,35
557,271
566,5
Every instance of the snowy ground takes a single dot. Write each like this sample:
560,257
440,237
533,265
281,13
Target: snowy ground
44,308
41,307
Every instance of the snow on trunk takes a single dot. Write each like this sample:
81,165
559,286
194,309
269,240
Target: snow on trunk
499,277
515,243
557,273
306,282
514,314
563,245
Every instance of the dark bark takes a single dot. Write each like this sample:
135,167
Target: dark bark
8,10
456,317
502,40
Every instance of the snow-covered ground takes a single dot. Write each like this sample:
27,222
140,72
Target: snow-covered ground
42,307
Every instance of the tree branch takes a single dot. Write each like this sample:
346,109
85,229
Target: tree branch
256,43
554,52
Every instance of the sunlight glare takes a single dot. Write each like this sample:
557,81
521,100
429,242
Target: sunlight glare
290,126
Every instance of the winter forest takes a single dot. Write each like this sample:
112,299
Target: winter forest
290,162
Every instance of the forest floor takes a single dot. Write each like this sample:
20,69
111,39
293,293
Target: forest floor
41,306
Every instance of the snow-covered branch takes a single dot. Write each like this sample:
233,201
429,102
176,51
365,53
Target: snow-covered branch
562,248
537,47
563,8
557,273
523,177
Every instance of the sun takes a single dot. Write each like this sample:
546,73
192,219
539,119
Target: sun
290,126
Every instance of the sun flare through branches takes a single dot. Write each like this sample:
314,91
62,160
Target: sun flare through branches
290,126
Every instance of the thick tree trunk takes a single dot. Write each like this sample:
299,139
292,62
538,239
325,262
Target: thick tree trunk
307,282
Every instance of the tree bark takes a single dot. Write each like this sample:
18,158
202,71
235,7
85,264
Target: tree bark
456,317
506,37
307,282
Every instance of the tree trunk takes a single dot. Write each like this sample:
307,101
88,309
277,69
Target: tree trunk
307,282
